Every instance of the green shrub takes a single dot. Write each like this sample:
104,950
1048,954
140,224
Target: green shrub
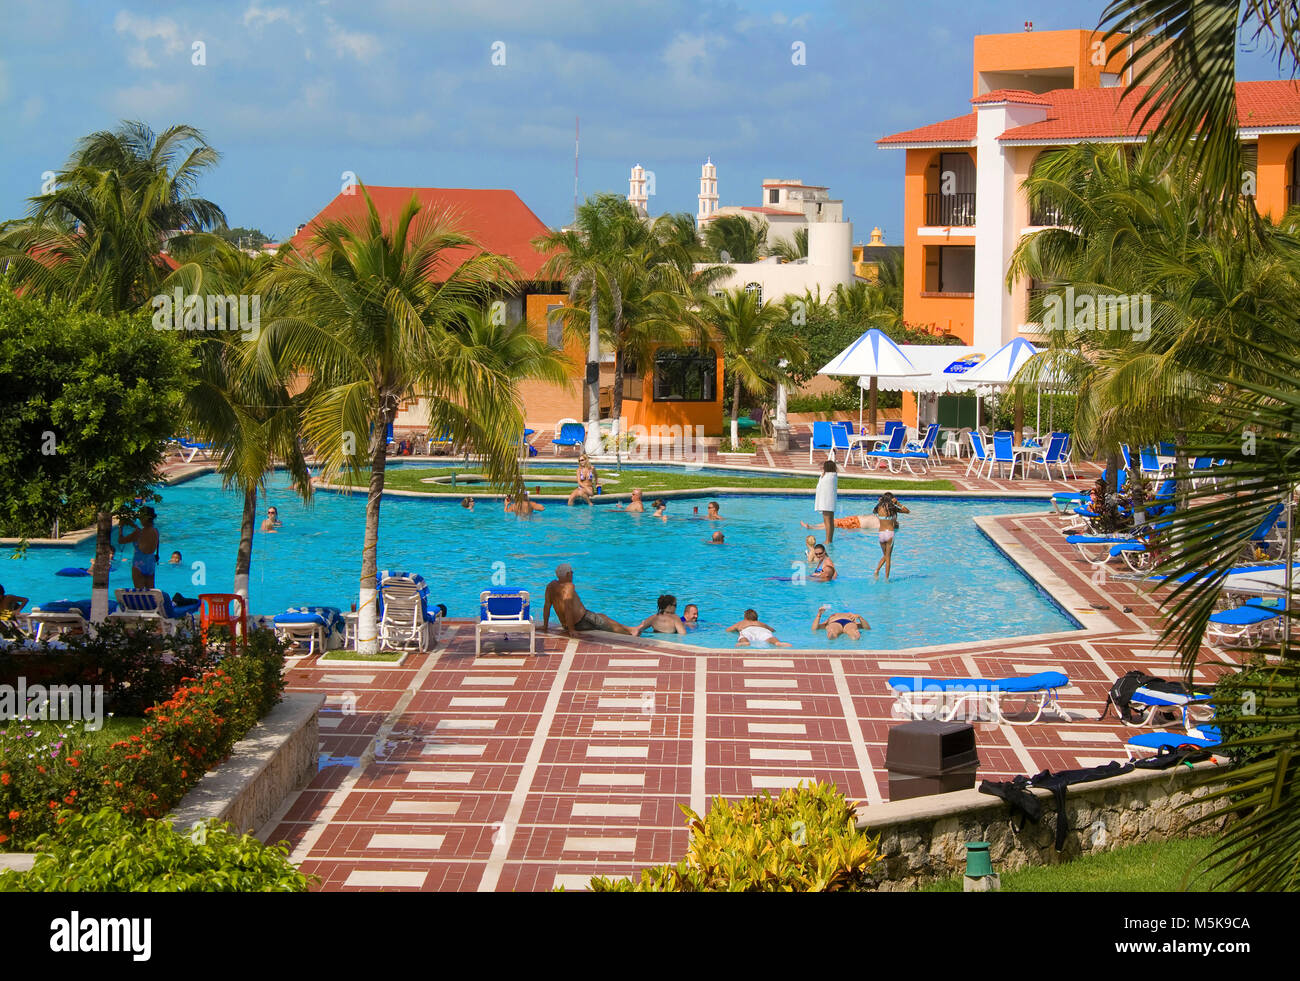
1258,704
107,852
744,445
42,776
802,841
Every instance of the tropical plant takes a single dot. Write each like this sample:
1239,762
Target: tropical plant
794,248
589,257
377,317
736,238
107,852
753,345
247,416
805,840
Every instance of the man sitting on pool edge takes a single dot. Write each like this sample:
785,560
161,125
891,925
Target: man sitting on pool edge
573,616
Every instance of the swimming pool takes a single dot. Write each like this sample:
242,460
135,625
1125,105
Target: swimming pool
950,583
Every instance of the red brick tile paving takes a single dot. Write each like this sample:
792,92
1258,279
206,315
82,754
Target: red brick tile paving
577,766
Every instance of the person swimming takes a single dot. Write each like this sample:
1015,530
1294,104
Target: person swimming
714,514
175,559
467,503
665,621
752,631
691,616
717,539
836,624
272,521
636,505
661,506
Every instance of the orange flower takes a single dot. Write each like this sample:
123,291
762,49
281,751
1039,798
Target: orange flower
4,779
15,815
3,839
73,762
40,769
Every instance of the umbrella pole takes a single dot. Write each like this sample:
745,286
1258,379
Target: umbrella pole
871,406
859,408
1038,419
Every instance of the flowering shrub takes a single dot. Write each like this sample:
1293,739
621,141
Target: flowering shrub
42,776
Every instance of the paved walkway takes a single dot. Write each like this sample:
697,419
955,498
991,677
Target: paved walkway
505,772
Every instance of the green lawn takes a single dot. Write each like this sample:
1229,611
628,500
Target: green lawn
409,478
114,729
1154,867
345,655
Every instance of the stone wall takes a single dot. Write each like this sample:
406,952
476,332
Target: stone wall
277,757
924,839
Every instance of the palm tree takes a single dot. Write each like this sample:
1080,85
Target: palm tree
96,241
736,238
248,415
753,344
372,326
1185,53
792,249
588,257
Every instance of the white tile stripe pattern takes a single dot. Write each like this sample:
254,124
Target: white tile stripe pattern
467,723
444,807
611,779
423,842
440,776
778,728
769,782
380,878
478,702
771,683
635,752
601,809
575,843
616,703
775,662
489,679
618,725
775,753
633,662
779,704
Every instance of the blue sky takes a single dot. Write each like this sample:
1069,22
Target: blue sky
406,93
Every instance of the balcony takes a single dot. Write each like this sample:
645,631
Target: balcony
1292,195
1046,214
948,210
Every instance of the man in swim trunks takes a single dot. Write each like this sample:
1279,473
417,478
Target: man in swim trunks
852,522
573,616
691,615
840,623
823,569
636,505
752,630
145,539
665,621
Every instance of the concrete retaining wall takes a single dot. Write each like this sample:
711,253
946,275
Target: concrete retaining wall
277,757
924,839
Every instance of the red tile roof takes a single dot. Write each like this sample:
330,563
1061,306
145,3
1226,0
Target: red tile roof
498,220
1100,114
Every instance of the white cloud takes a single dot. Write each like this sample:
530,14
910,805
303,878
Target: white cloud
355,44
144,101
683,52
256,16
145,31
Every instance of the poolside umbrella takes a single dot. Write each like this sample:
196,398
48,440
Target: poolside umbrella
872,355
1001,367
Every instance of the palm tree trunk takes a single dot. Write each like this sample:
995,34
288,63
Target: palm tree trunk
99,572
735,413
617,410
593,382
368,605
244,557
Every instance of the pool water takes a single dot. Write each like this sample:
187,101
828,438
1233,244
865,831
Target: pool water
950,583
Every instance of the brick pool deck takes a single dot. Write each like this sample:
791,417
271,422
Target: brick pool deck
504,772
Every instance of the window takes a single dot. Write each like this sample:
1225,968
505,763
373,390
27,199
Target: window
773,195
757,289
631,380
957,269
685,376
554,327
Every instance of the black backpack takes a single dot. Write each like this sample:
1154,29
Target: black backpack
1121,694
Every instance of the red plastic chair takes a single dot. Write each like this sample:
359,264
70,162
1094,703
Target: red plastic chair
215,610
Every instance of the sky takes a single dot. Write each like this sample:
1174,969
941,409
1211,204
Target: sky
484,93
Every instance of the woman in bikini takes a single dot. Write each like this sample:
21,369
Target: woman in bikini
145,539
586,488
887,510
839,623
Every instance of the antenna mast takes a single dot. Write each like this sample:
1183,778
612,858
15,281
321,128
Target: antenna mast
575,168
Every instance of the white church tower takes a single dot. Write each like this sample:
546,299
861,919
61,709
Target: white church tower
636,194
708,192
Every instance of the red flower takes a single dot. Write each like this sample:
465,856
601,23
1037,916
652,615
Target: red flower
40,769
4,779
15,815
3,839
73,762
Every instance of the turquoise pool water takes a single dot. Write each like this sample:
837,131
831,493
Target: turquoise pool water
950,583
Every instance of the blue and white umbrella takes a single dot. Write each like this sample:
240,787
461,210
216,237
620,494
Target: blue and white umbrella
872,355
1001,367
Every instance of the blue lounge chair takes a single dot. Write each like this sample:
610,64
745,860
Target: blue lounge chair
1098,550
1249,625
506,611
317,626
926,443
840,433
1146,704
152,606
895,456
1205,738
822,439
407,620
943,698
570,434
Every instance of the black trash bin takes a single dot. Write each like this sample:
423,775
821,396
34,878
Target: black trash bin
925,758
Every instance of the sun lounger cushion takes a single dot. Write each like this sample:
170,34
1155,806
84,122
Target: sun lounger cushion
328,617
1243,616
67,606
1031,683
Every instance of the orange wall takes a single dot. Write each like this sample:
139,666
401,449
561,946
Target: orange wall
545,403
953,314
1274,174
1036,50
649,413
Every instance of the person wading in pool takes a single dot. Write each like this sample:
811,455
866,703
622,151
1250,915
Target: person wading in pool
691,616
839,623
852,522
824,500
665,621
573,616
823,569
887,509
524,506
636,505
145,539
272,522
